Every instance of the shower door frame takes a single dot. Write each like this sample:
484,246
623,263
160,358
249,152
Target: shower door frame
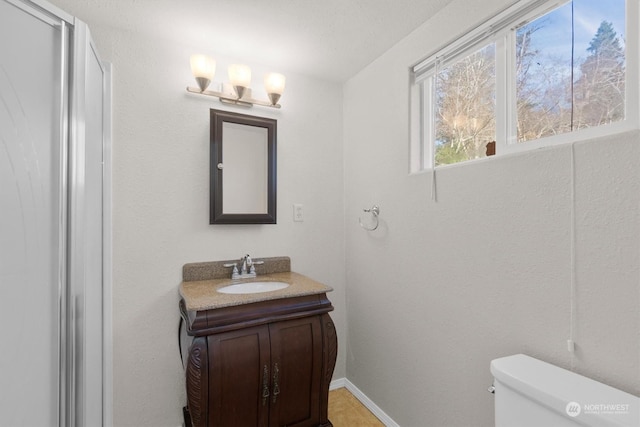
78,381
76,46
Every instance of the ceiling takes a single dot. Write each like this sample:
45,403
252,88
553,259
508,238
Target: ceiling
329,39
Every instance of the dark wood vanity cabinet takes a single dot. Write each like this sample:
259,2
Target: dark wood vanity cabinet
266,364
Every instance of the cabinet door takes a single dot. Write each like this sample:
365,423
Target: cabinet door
296,371
239,374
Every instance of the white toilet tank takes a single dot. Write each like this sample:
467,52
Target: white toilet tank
532,393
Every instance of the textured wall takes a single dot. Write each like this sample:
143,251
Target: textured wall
161,212
444,287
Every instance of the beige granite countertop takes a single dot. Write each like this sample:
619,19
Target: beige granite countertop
202,295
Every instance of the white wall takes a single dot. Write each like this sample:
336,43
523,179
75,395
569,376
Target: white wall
161,206
444,287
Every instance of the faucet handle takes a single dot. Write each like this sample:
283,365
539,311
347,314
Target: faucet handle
235,268
253,266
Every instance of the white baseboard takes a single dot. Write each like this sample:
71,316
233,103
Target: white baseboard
339,383
368,403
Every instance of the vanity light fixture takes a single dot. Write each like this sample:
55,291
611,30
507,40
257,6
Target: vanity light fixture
203,69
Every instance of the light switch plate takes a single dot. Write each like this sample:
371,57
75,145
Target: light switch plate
298,213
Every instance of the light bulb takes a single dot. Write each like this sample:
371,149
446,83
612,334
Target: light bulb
274,85
203,68
240,75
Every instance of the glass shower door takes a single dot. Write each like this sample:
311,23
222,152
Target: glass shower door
32,171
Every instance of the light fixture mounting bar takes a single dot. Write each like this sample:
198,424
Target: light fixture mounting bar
227,99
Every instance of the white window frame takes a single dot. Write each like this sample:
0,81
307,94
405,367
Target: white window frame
501,30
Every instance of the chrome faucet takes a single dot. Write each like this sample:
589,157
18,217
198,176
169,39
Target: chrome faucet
247,268
247,263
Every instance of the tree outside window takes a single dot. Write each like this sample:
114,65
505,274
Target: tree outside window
465,114
563,86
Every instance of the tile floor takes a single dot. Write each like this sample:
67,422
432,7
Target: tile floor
347,411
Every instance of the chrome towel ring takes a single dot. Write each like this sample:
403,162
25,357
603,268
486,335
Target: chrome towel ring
374,211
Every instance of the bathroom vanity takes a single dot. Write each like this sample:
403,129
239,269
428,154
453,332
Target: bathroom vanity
261,358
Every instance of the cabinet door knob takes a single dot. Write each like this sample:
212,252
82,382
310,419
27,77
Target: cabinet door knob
276,379
265,385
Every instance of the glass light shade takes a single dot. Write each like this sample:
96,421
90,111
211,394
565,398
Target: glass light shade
240,75
274,83
203,66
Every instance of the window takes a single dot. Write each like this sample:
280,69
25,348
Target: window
540,73
465,99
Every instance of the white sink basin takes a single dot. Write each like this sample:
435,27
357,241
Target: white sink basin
253,287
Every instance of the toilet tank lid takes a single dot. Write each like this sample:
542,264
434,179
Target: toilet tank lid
555,387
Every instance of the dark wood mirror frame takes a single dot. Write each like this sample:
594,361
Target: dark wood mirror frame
216,210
